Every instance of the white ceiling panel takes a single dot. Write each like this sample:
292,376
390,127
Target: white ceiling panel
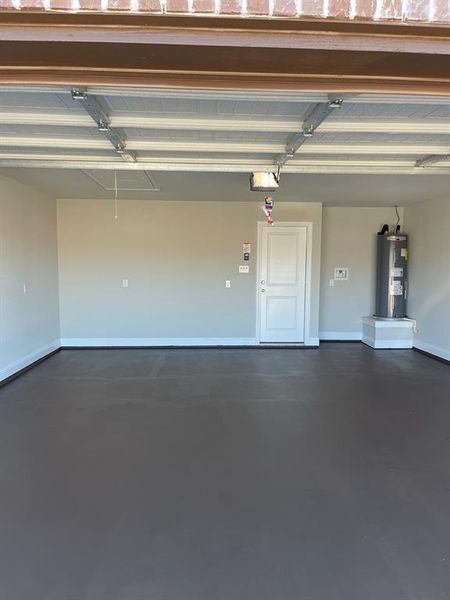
206,136
204,108
38,101
47,130
388,110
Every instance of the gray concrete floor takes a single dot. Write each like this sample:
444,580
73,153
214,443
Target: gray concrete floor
226,475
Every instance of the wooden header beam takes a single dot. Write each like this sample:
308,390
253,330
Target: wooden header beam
227,53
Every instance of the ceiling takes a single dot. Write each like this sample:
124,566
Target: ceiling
193,142
330,189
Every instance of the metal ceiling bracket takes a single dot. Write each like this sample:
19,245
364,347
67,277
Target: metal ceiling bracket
315,116
336,102
94,109
432,159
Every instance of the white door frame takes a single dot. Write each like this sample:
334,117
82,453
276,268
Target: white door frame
308,274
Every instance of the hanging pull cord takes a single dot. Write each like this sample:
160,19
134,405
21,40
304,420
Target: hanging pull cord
116,214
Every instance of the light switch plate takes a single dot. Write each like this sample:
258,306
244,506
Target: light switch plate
341,273
227,283
244,269
124,282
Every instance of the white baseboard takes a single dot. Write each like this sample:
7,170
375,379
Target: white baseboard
163,342
26,361
343,336
387,344
431,349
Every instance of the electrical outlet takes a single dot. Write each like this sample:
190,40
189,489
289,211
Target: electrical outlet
244,269
331,282
125,283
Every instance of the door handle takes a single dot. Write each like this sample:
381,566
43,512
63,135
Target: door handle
263,290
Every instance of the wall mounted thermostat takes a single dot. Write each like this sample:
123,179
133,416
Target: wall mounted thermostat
341,273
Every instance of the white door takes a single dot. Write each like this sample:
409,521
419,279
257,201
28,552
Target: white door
281,283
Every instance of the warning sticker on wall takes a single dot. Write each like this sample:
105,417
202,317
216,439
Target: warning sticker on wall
397,272
396,288
246,248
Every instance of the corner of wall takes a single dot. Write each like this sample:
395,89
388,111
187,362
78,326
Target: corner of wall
29,299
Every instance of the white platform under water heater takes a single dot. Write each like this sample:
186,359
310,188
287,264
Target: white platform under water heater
379,332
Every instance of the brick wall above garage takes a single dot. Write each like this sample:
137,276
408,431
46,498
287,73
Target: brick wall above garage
415,11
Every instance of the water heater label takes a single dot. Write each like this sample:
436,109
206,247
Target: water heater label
396,288
397,272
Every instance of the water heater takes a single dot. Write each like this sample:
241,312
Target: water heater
392,282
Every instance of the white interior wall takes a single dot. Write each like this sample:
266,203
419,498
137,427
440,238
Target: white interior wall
428,226
29,319
176,257
349,240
